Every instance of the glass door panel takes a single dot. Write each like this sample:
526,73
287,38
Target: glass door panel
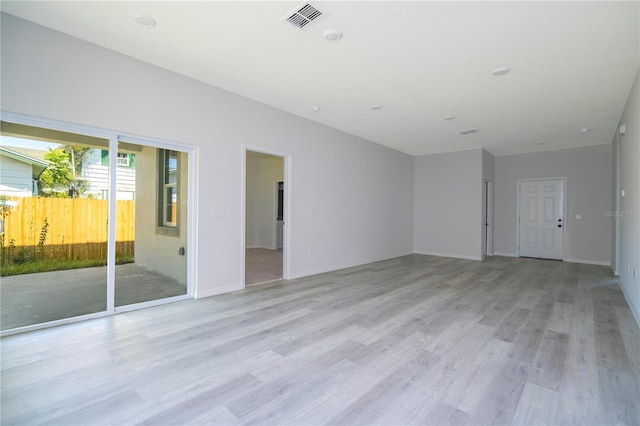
151,235
53,225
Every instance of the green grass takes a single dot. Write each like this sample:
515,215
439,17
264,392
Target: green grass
47,265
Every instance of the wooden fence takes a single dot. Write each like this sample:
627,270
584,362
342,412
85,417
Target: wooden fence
66,228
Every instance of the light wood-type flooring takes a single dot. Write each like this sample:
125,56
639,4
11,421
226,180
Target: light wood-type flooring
412,340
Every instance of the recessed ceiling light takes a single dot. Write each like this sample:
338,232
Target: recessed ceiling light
449,117
144,20
376,107
500,70
469,131
315,108
333,35
585,129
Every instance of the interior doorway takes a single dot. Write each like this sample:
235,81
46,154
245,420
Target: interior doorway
265,217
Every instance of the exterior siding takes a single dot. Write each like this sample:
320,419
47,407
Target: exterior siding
17,175
97,177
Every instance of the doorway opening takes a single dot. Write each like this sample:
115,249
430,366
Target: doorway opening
265,217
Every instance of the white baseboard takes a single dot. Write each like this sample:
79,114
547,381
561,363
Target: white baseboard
589,262
455,256
633,308
217,290
505,254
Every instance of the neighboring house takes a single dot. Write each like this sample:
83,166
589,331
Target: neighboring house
95,174
20,169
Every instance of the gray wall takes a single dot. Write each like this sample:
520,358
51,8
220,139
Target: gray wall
362,192
629,145
448,204
588,173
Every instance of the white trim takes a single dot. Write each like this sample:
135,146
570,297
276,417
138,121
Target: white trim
505,254
286,252
151,303
55,323
564,212
490,228
111,237
192,220
440,254
634,311
589,262
615,261
219,290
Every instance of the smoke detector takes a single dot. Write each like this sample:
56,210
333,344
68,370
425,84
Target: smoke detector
302,15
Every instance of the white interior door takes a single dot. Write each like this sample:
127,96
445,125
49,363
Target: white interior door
542,218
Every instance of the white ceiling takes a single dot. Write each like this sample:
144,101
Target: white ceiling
572,63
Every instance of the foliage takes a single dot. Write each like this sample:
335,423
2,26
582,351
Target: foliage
43,232
5,206
78,155
59,173
47,265
5,210
59,179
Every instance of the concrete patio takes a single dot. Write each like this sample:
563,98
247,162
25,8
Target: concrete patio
48,296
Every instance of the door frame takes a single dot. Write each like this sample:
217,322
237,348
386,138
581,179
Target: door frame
487,216
564,211
286,231
617,205
275,215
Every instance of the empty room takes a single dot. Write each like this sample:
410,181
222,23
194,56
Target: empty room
334,212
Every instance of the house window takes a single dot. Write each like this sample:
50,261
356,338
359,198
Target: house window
123,159
168,195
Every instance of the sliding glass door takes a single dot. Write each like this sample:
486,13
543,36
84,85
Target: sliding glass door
89,225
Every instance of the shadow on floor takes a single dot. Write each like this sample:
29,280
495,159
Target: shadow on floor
48,296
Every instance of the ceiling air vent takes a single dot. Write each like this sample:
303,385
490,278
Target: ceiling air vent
469,131
302,15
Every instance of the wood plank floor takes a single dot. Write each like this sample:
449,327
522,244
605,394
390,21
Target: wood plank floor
412,340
